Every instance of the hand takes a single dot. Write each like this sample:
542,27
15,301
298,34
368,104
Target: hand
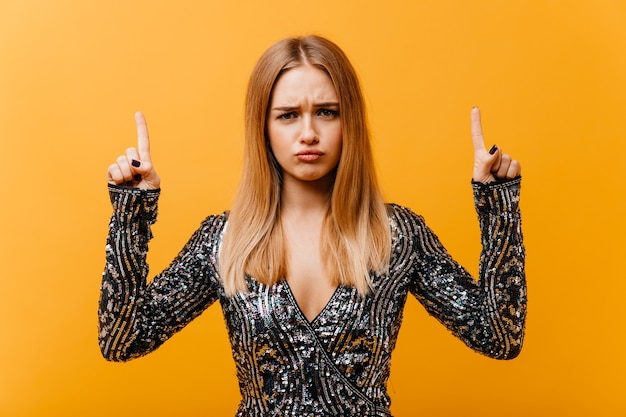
490,165
134,169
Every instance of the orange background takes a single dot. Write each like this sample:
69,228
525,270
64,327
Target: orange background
550,77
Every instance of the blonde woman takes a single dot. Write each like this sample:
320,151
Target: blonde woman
310,266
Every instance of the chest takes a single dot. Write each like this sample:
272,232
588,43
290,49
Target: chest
270,314
306,271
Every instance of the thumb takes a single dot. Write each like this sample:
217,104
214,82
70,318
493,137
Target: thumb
141,166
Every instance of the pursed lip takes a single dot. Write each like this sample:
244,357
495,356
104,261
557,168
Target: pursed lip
309,155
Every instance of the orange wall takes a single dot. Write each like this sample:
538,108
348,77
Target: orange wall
550,77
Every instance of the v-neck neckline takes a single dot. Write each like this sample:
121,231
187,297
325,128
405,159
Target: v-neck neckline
294,301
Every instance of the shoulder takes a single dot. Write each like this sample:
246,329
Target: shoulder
209,235
398,213
211,230
215,222
404,222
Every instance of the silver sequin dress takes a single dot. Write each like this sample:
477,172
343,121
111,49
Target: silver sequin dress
338,364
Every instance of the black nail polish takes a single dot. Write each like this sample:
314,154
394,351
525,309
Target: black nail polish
137,177
493,150
135,163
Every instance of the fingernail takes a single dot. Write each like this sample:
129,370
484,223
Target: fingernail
135,163
493,150
137,177
129,183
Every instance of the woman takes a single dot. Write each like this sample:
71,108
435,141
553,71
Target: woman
311,268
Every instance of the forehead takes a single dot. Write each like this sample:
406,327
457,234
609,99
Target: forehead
304,82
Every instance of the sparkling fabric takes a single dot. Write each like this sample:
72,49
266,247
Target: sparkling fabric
339,363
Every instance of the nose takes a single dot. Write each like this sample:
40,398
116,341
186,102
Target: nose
308,135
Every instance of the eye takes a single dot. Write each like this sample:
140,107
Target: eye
287,116
327,113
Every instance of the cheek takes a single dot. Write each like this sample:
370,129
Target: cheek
339,145
279,146
273,137
278,134
339,139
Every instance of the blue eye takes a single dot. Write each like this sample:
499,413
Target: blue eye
327,113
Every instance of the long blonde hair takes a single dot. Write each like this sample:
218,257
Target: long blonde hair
355,236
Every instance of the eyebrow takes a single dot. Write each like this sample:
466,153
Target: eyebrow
316,105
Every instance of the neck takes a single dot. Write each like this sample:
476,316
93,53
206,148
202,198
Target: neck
300,198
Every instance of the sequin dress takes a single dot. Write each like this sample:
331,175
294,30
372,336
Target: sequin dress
339,363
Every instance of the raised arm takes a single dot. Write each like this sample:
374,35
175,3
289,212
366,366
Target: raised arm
487,314
135,317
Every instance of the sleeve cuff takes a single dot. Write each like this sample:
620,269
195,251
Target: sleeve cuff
497,197
134,203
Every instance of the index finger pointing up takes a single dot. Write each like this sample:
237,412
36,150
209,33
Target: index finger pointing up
143,140
477,131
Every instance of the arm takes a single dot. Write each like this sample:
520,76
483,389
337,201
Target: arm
489,314
134,317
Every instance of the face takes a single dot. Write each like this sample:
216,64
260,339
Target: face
304,126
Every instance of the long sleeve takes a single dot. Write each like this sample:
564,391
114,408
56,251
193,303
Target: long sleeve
135,317
487,314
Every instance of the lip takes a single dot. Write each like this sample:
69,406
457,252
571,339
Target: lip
309,156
